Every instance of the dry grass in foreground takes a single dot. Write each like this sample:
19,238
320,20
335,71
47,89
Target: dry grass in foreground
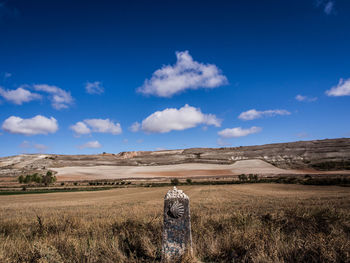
240,223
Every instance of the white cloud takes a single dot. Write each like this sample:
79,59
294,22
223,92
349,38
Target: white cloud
94,87
135,127
19,96
104,126
185,74
178,119
254,114
329,7
60,99
300,97
36,125
305,98
96,125
342,89
80,128
92,144
238,132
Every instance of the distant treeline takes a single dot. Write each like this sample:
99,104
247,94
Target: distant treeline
254,178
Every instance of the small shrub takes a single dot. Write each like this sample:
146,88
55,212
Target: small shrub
242,177
175,181
189,181
21,179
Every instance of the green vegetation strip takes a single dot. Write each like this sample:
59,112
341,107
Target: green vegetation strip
306,180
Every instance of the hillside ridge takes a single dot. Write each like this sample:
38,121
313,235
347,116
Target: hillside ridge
328,154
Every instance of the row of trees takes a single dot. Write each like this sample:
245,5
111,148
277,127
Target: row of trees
109,183
241,177
176,181
250,177
49,178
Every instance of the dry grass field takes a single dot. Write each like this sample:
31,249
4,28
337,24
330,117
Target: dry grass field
230,223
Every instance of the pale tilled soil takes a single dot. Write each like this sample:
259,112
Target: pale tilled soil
177,170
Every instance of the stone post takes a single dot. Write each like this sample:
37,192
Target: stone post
177,237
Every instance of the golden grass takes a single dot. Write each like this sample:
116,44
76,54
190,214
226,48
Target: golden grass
244,223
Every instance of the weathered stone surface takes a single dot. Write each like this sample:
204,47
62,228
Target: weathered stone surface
177,238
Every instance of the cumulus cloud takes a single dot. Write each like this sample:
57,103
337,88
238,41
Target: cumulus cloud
104,126
96,125
238,132
342,89
305,98
177,119
185,74
135,127
92,144
60,99
80,128
36,125
19,96
254,114
94,87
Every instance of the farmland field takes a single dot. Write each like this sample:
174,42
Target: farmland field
248,222
73,173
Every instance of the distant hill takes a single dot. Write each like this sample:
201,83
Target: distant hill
326,155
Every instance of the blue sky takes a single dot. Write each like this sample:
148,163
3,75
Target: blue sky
112,76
